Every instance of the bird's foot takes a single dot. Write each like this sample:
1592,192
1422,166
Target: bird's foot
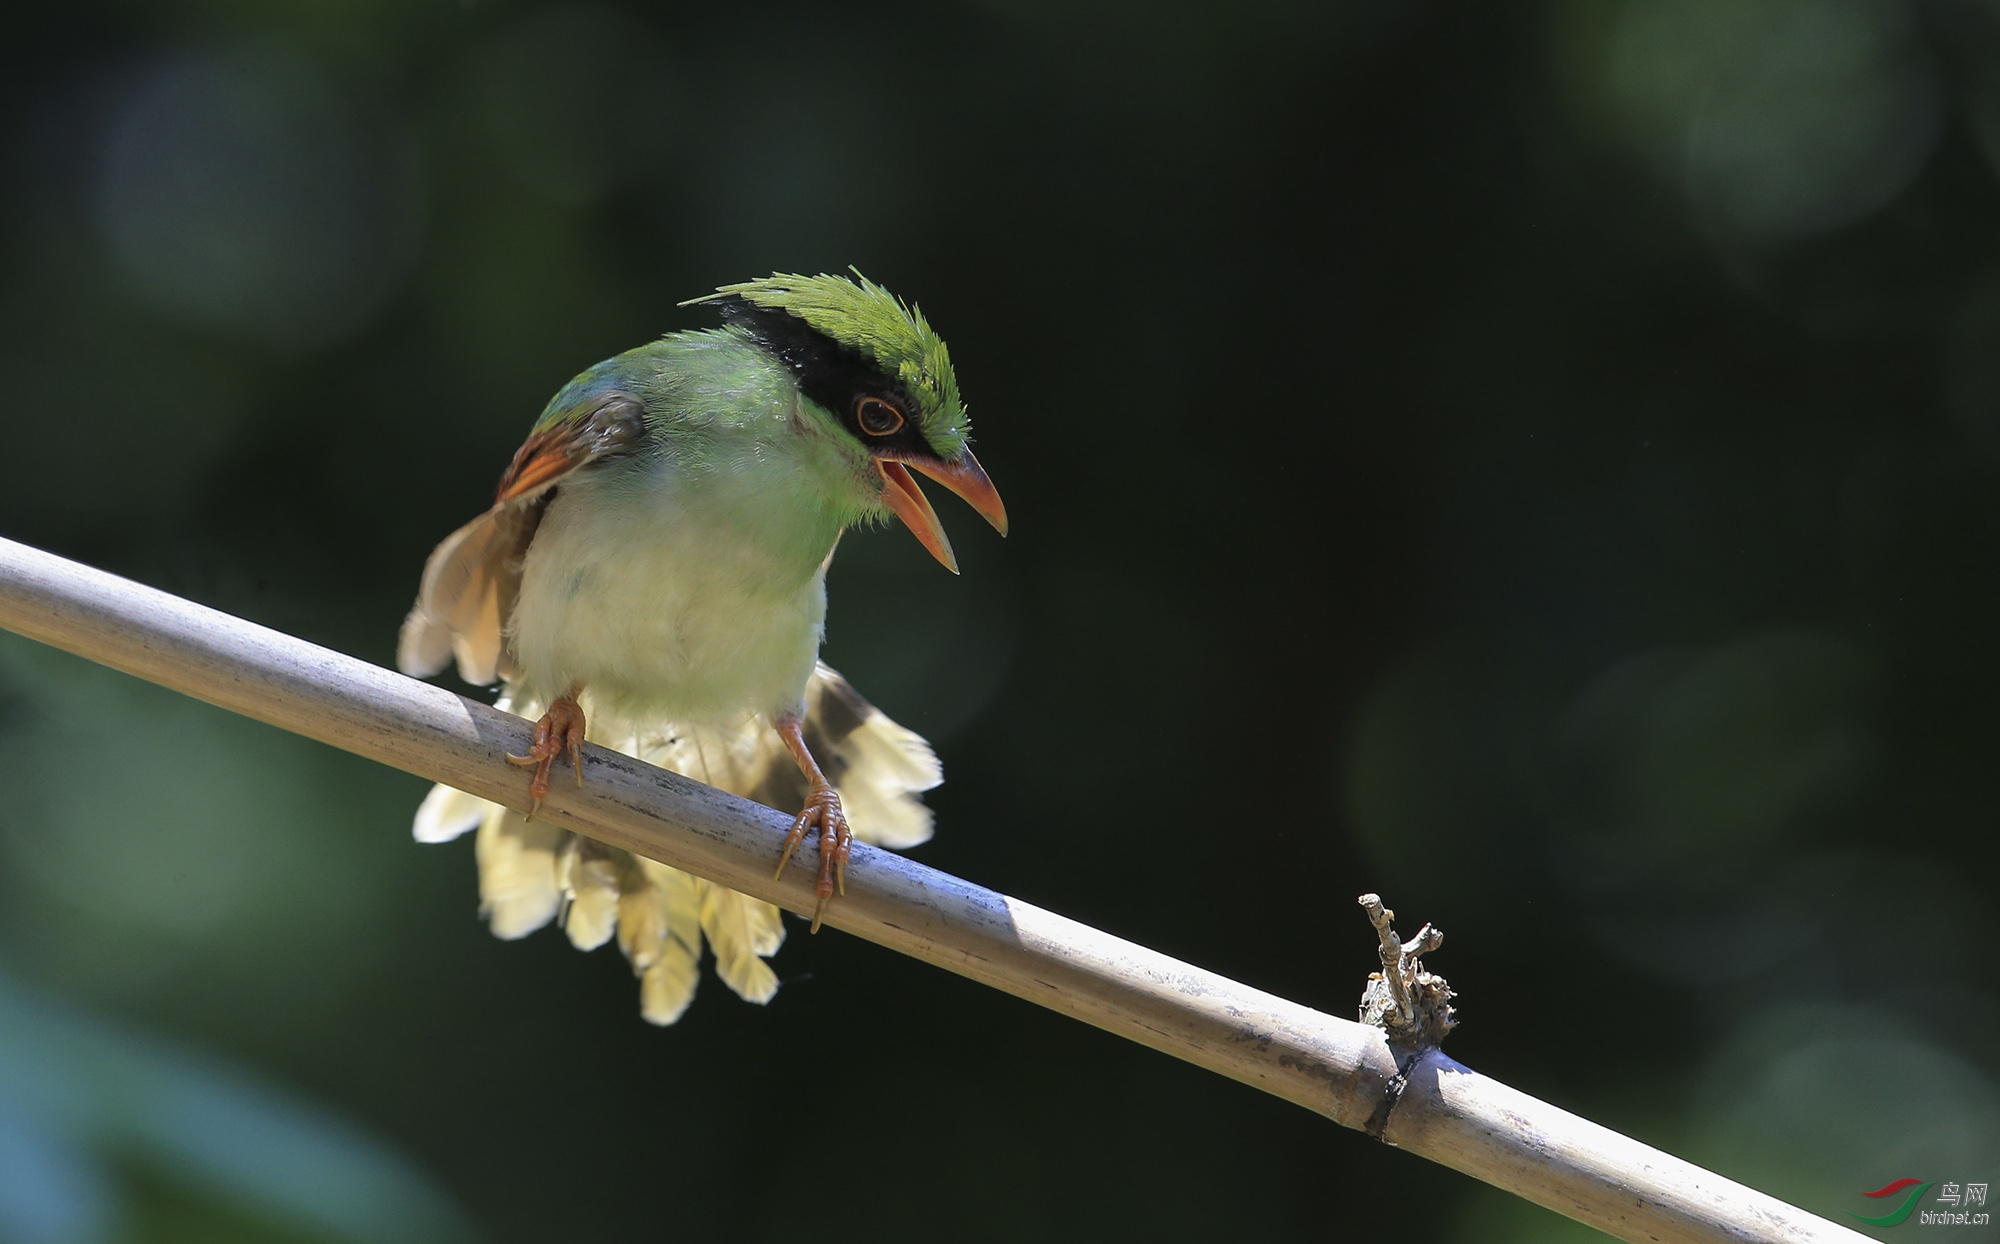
559,733
822,811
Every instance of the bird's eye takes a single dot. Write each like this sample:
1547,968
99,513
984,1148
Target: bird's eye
877,417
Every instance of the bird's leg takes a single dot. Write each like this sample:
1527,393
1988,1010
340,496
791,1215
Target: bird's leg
823,810
559,733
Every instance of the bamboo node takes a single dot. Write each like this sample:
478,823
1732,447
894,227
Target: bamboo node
1411,1005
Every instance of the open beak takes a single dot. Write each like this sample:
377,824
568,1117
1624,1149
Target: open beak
964,477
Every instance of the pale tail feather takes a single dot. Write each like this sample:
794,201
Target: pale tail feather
531,872
587,876
667,988
644,924
517,872
742,931
447,813
883,768
665,944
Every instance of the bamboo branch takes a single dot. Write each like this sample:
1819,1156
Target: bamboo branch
1421,1101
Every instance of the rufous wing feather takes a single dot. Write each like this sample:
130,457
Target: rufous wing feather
472,578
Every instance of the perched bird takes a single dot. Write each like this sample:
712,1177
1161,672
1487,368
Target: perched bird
652,576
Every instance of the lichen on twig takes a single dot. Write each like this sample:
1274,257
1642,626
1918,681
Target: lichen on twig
1409,1004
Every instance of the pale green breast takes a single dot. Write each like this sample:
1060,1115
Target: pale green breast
687,580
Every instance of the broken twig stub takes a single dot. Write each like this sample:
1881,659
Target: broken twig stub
1411,1006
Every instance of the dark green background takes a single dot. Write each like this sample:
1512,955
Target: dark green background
1536,461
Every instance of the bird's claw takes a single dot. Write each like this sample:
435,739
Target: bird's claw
559,733
836,841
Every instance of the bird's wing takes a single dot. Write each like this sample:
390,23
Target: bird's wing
471,579
531,872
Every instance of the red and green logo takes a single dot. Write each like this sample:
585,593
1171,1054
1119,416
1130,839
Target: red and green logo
1895,1216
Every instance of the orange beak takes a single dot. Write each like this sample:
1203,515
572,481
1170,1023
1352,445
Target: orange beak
964,477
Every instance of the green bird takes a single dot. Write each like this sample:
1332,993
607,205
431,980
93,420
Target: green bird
652,576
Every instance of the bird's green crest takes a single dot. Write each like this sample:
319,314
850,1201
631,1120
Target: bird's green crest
862,316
